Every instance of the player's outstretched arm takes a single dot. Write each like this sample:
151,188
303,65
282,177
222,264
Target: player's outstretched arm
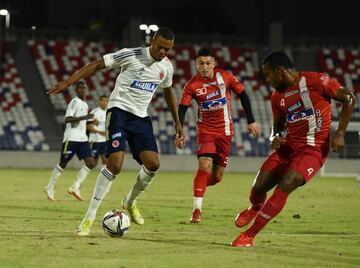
348,100
85,71
171,102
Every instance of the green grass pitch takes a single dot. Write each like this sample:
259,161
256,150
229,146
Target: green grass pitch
319,226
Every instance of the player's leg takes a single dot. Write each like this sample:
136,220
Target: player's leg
115,152
100,153
103,160
83,152
216,174
143,147
304,165
205,150
205,165
221,159
265,180
150,165
65,157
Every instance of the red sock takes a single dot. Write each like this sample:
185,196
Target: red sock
271,208
257,201
200,182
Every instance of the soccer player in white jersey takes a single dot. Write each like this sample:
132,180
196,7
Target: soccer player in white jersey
97,131
143,71
75,141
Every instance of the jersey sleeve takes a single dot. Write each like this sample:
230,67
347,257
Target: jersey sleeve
274,105
119,58
235,84
71,109
187,95
169,77
329,85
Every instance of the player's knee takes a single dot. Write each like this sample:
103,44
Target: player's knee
91,165
291,182
114,168
90,162
205,165
63,164
153,165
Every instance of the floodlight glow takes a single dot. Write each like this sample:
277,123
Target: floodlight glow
153,27
143,27
4,12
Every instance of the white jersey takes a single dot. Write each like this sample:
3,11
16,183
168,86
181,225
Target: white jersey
76,131
100,115
141,75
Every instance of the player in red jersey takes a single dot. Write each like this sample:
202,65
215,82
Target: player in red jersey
211,88
301,105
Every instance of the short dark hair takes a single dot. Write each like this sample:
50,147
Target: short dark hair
204,52
103,96
165,32
277,59
78,84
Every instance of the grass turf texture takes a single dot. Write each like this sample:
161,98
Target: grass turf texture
319,226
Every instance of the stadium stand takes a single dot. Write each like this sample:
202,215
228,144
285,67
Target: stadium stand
19,128
344,65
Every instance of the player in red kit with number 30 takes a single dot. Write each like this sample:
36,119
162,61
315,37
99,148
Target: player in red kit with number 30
301,105
211,89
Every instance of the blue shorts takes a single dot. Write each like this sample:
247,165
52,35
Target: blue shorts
138,131
69,148
98,148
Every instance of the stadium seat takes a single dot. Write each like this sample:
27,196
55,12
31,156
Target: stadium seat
19,128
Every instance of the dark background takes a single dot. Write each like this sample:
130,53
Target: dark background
311,19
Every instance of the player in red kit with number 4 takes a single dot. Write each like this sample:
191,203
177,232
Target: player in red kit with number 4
301,105
211,89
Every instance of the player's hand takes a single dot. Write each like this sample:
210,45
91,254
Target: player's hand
254,129
95,122
59,87
276,142
338,141
179,137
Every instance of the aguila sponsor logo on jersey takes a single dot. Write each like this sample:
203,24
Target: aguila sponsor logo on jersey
216,93
213,104
147,86
302,115
295,106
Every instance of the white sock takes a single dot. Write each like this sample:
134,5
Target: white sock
81,176
143,179
54,177
102,187
197,202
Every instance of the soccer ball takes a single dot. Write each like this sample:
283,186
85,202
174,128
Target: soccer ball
115,223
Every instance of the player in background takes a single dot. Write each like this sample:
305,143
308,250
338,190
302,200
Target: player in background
211,89
75,141
144,69
301,105
97,137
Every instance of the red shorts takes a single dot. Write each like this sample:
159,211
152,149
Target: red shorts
217,145
306,161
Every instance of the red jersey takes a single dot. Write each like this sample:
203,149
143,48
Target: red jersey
307,108
213,98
